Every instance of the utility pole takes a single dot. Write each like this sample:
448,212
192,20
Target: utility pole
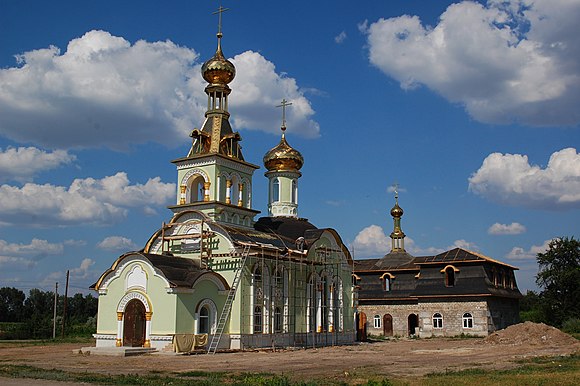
65,301
54,316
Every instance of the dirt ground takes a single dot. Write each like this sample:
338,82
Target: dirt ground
394,358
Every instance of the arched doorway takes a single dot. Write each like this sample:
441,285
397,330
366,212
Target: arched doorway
413,324
387,325
361,330
134,324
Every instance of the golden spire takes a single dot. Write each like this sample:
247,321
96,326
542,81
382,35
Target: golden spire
397,236
218,70
283,156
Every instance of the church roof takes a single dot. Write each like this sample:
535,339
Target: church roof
289,227
461,255
179,271
279,232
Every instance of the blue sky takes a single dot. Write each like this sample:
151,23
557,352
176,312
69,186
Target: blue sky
471,107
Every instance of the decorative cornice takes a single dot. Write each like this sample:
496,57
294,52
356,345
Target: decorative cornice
218,159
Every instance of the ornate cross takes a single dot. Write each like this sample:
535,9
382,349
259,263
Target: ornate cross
219,12
283,105
396,190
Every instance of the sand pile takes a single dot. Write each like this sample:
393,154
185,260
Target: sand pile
532,334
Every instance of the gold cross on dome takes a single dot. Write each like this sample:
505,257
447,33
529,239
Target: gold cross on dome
283,105
219,13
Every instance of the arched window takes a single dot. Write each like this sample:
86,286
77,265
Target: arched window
467,320
294,192
204,320
377,321
386,283
324,294
278,323
437,320
258,300
275,190
280,299
196,189
449,277
311,300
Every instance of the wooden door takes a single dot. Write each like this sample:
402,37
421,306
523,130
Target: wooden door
134,324
387,325
362,327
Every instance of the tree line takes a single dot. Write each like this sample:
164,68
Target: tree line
558,301
31,317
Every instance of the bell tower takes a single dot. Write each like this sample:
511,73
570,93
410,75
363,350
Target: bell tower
283,163
214,178
397,235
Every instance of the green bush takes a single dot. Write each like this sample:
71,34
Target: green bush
13,331
571,326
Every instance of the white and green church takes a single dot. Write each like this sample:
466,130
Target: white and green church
215,278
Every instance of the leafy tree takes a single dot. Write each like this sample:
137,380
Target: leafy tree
532,308
559,277
11,304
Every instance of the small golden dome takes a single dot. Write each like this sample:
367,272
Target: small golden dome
397,211
218,70
283,157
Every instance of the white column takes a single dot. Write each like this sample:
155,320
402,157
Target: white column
119,341
147,330
318,310
228,191
240,194
331,309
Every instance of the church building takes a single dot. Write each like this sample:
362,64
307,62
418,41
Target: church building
215,278
453,293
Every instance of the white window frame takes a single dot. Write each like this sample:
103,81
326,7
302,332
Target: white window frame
377,321
467,320
438,320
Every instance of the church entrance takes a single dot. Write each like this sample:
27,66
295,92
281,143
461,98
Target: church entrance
361,329
387,325
134,324
413,324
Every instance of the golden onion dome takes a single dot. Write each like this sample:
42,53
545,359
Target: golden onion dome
218,70
283,157
397,211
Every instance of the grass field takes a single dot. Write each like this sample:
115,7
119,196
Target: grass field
539,371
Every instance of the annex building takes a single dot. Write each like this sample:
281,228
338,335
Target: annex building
455,292
214,277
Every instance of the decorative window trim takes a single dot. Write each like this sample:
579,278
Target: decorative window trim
390,275
437,319
450,278
134,295
467,321
455,269
377,321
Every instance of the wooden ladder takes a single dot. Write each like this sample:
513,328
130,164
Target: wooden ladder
227,310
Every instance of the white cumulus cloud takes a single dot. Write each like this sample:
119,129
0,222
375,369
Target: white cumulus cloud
86,201
519,253
506,61
510,179
117,243
514,228
373,242
83,270
104,91
258,88
35,247
23,163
